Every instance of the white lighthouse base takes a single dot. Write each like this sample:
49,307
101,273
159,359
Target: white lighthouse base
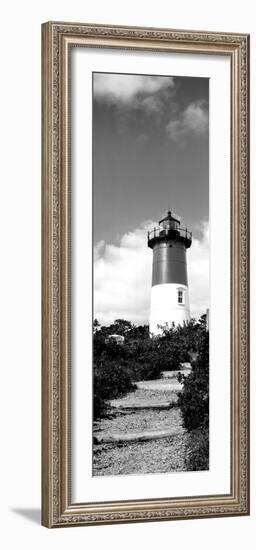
167,308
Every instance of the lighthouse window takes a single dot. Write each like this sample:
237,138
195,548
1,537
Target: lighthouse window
180,296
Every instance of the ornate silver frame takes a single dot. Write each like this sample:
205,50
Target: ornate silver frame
57,41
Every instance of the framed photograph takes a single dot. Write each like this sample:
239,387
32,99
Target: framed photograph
145,274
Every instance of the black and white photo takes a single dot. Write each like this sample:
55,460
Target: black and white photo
150,274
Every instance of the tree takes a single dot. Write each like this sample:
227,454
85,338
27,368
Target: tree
121,326
96,326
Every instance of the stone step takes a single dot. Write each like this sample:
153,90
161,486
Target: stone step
170,374
133,437
186,366
142,404
159,385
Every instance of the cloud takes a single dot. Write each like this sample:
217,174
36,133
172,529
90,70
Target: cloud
125,87
122,276
98,249
122,279
198,272
194,120
136,91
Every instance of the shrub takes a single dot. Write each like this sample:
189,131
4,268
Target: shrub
111,380
117,367
194,399
194,404
198,444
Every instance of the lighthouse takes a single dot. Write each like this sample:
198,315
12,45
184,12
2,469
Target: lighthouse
169,292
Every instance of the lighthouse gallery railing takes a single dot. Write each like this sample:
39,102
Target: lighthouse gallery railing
166,231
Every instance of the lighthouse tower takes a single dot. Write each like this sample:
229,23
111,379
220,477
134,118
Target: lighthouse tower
169,292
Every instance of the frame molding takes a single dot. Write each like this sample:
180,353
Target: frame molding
57,41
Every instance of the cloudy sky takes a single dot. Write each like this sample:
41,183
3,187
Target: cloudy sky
150,153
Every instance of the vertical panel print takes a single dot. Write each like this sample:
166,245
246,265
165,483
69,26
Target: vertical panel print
151,274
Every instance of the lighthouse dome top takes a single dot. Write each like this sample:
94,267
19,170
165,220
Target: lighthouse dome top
171,216
169,228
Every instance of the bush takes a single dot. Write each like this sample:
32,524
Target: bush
118,366
194,399
194,404
198,443
111,380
